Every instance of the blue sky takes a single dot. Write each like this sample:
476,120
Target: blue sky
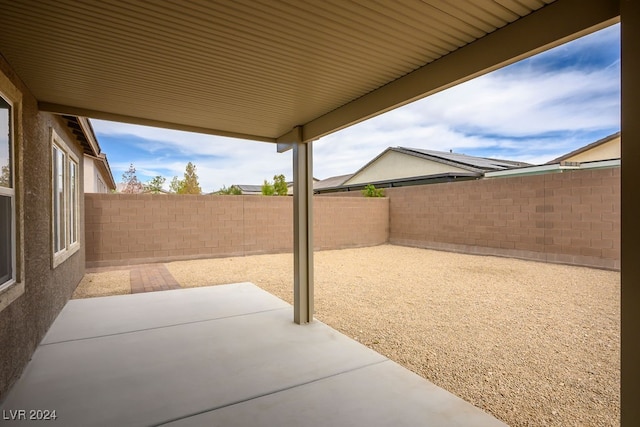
533,111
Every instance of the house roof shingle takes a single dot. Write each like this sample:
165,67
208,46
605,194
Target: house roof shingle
477,164
250,188
333,181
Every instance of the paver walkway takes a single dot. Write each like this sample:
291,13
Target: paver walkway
144,277
150,278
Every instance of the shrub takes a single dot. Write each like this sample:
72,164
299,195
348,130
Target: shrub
371,191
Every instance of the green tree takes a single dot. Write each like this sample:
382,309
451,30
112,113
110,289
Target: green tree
268,189
175,185
280,185
190,184
131,184
5,176
233,190
371,191
155,185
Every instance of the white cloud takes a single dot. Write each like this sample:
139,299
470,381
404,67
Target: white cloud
219,160
494,112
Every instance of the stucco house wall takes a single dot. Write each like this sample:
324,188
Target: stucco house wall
608,150
94,180
25,320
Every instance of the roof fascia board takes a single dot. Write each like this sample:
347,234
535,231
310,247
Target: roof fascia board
104,164
96,114
414,180
550,26
87,129
556,167
601,164
528,171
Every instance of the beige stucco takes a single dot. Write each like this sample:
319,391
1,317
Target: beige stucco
94,180
27,309
394,165
607,151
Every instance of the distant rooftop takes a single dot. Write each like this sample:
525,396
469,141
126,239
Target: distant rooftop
456,159
250,188
334,181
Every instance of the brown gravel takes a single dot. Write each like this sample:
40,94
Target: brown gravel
534,344
103,284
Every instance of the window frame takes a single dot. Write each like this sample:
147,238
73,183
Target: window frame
65,225
10,193
13,288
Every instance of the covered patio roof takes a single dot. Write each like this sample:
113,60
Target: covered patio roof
257,69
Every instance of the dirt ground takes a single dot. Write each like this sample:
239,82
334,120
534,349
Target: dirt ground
531,343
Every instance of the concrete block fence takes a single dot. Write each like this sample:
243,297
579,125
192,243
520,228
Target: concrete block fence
123,229
571,217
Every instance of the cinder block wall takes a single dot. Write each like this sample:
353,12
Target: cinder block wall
571,217
126,229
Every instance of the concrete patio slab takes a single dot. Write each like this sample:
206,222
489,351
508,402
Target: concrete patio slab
382,394
224,355
127,313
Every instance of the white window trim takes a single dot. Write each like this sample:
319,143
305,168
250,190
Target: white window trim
70,248
13,289
11,193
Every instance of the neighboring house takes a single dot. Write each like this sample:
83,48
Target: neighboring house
97,173
161,191
554,168
122,186
250,189
257,189
290,186
401,166
607,148
604,153
330,184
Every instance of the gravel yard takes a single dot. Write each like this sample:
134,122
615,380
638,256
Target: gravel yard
534,344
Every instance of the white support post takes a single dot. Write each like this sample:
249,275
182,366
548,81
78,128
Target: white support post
630,212
302,223
302,232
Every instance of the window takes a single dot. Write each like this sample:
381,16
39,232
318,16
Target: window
64,201
7,198
100,185
11,217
